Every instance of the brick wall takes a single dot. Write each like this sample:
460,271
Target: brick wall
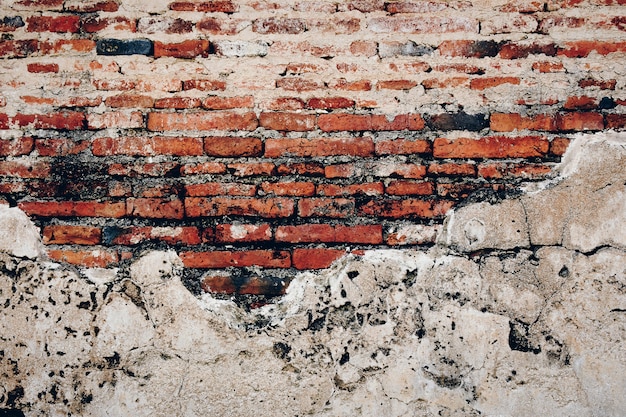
262,138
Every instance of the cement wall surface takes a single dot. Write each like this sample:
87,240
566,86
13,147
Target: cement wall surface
519,310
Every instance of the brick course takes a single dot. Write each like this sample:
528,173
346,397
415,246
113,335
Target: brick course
260,139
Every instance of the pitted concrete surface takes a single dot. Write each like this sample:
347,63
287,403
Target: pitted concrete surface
520,310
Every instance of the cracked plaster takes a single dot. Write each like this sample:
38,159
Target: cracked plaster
518,311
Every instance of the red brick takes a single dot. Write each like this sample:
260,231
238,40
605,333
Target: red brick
113,119
548,67
226,103
24,169
38,100
415,7
581,49
60,147
601,84
402,147
452,170
289,189
114,84
73,208
235,233
146,146
326,207
468,48
64,46
409,188
203,168
218,284
580,102
615,121
514,50
57,24
558,146
91,6
364,48
325,233
39,67
154,208
177,103
16,147
415,67
224,6
508,122
129,100
315,258
202,121
399,209
99,258
94,24
298,84
165,84
288,121
204,85
220,188
285,103
73,235
220,26
490,82
315,169
502,170
304,68
330,103
491,147
250,207
246,169
66,120
167,25
18,48
356,122
232,146
396,85
333,190
225,259
580,121
319,147
130,236
450,82
187,49
343,84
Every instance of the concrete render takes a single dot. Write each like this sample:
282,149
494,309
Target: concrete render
519,310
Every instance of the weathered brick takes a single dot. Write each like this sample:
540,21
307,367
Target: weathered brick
299,84
426,24
315,258
227,103
114,119
415,7
73,208
502,122
129,100
60,146
11,23
224,6
515,50
415,234
99,258
398,209
236,233
503,170
147,146
491,82
16,146
277,25
63,46
558,146
491,147
240,49
548,67
154,208
72,235
326,207
601,84
288,121
91,6
580,103
232,146
358,122
329,103
150,169
469,49
452,170
67,120
449,82
615,121
581,49
130,236
225,259
315,169
39,67
18,48
163,25
220,188
289,189
202,121
343,84
177,103
220,26
60,24
91,24
325,233
24,169
249,207
396,85
246,169
204,85
187,49
124,47
458,121
319,147
333,190
409,188
203,168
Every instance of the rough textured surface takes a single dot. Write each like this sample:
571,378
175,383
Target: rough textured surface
484,323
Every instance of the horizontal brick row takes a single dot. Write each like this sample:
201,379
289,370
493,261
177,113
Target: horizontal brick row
298,122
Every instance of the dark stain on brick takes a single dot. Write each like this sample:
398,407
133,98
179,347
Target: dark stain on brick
124,47
458,121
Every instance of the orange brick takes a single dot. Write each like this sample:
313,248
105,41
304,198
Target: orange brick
246,169
24,169
288,121
98,258
155,208
17,146
319,147
129,100
220,188
491,147
490,82
396,85
398,209
146,146
249,207
329,103
326,207
73,208
225,259
234,233
202,121
73,235
177,103
227,103
325,233
333,190
402,147
315,258
291,189
409,188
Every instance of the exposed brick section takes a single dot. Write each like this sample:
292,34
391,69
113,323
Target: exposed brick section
263,138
